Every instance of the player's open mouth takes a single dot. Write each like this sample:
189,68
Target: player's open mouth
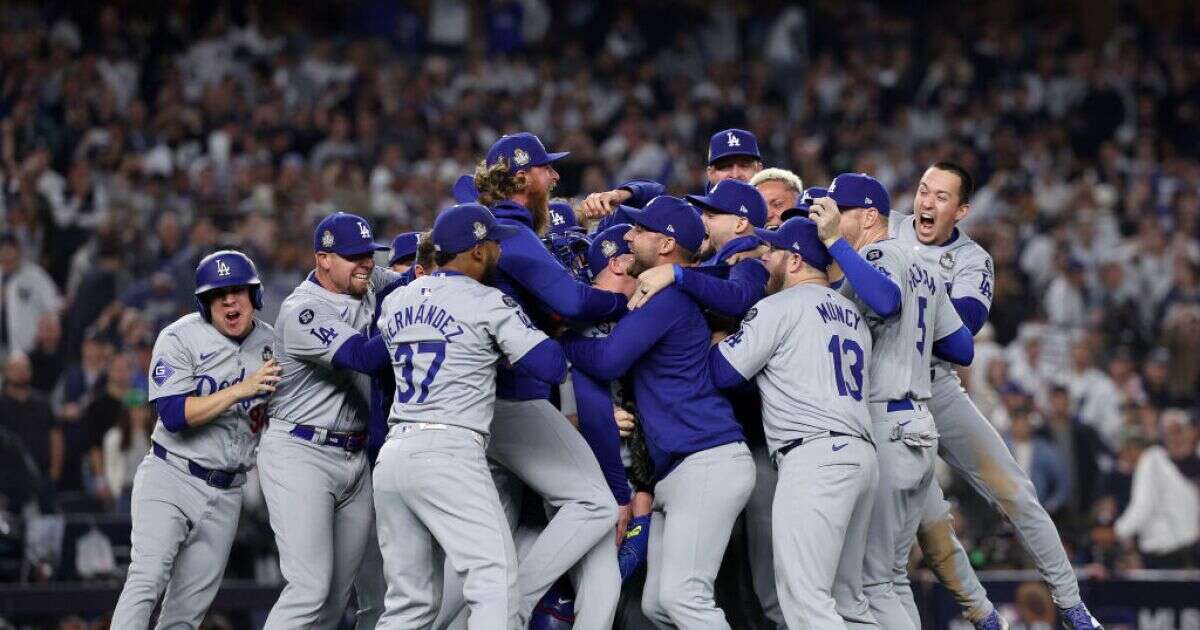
925,220
232,317
361,276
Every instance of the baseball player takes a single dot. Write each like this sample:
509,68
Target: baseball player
781,189
315,476
404,253
210,375
434,493
910,318
805,346
728,287
529,436
703,469
968,442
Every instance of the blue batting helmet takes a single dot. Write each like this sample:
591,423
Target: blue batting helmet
226,268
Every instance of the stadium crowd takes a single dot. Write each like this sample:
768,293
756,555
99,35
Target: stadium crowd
132,143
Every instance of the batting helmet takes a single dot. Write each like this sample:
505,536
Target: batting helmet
226,268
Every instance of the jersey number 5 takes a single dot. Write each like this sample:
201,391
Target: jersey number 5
404,356
853,353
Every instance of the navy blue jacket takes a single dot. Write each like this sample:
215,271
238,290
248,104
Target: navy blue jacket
664,346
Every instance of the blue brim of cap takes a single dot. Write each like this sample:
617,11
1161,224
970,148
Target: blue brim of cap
638,217
704,202
773,238
791,213
364,249
733,153
551,157
499,232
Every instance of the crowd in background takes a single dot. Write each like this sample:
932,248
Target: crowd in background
133,142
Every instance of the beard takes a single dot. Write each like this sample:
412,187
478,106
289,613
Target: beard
638,265
539,206
775,281
707,250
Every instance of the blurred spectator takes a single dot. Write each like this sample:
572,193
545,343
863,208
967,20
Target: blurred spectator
25,412
26,294
47,358
1037,457
124,447
1164,508
1094,396
108,408
1065,301
1079,447
1034,607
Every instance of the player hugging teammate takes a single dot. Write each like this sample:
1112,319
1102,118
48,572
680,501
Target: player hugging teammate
521,424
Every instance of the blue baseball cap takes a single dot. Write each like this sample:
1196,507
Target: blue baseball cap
464,189
605,245
805,202
732,142
459,228
347,235
522,150
798,235
404,246
740,199
859,190
562,217
671,216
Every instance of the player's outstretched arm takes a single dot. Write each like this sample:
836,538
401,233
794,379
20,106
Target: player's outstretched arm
593,400
180,412
611,357
525,259
362,354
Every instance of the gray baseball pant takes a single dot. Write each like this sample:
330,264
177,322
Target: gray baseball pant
759,534
319,503
437,507
948,560
822,511
535,442
973,447
695,507
369,585
182,531
906,443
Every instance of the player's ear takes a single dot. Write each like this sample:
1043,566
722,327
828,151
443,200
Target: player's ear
418,270
961,212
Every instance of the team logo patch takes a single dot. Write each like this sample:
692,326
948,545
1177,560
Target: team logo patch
306,316
750,314
327,239
731,140
222,269
267,353
509,301
479,230
874,254
608,248
520,157
556,218
947,260
364,231
987,264
162,372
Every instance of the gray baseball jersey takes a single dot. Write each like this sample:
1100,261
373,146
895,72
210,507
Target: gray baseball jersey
904,342
313,324
191,357
445,334
964,267
809,348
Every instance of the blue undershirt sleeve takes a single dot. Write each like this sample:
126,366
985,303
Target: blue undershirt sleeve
171,411
879,292
545,362
593,403
732,297
973,313
362,354
957,347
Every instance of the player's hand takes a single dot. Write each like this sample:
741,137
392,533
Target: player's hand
755,254
651,281
624,515
262,381
626,422
601,204
824,212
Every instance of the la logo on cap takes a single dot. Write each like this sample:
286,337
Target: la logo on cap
520,157
222,268
363,230
731,140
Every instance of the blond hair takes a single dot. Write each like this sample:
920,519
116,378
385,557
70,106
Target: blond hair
778,175
495,183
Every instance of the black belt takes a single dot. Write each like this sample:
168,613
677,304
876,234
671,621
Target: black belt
786,448
223,479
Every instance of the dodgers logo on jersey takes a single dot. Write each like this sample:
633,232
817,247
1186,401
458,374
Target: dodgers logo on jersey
947,260
732,140
306,316
750,314
162,372
874,254
222,268
267,353
509,301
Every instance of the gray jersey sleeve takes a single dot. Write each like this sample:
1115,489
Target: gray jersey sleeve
946,320
975,275
382,277
315,332
750,348
172,368
512,329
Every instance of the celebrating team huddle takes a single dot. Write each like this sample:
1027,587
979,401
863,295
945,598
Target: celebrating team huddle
760,361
